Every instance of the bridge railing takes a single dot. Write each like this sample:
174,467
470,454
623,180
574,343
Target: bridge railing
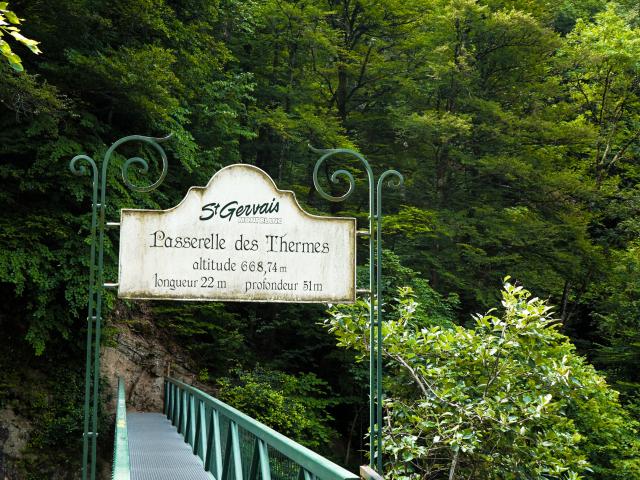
121,467
234,446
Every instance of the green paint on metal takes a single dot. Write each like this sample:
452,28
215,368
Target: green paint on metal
247,442
375,278
96,281
121,466
201,431
260,461
379,397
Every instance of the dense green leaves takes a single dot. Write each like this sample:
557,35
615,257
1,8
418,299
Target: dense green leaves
294,406
506,399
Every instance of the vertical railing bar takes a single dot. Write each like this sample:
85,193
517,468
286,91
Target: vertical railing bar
255,460
226,464
304,474
209,459
172,390
187,427
201,431
197,430
176,405
237,456
218,444
172,401
191,421
173,404
265,469
203,427
213,463
166,400
183,413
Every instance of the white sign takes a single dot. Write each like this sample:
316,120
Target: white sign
238,239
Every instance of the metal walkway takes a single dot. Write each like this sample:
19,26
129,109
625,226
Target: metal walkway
158,452
147,447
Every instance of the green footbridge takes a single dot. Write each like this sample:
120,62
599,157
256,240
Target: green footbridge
200,437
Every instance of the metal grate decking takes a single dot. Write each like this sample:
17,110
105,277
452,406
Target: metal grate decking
158,452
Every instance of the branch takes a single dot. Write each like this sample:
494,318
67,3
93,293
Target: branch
414,375
431,393
604,94
454,464
622,151
363,68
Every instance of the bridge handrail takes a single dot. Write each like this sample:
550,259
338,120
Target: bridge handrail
200,425
121,466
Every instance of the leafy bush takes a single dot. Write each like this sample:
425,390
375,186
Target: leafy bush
295,406
507,399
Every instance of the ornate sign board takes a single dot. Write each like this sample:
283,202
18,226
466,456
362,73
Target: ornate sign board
237,239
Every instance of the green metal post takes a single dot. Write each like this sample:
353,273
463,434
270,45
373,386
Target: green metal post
96,280
375,275
372,298
379,343
90,309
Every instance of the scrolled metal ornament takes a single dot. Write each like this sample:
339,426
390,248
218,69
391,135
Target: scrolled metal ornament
141,163
399,180
335,177
82,169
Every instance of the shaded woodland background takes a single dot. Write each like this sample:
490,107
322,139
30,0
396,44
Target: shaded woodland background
515,122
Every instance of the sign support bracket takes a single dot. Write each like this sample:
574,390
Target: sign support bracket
96,274
375,276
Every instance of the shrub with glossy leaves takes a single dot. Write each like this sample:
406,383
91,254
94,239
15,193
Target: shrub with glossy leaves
507,399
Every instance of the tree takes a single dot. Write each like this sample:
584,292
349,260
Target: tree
506,399
604,76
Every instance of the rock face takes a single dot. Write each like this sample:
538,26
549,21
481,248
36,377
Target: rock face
14,435
142,356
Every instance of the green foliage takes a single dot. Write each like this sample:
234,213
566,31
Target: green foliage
8,26
432,308
604,73
295,406
46,394
213,336
506,399
618,319
127,77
